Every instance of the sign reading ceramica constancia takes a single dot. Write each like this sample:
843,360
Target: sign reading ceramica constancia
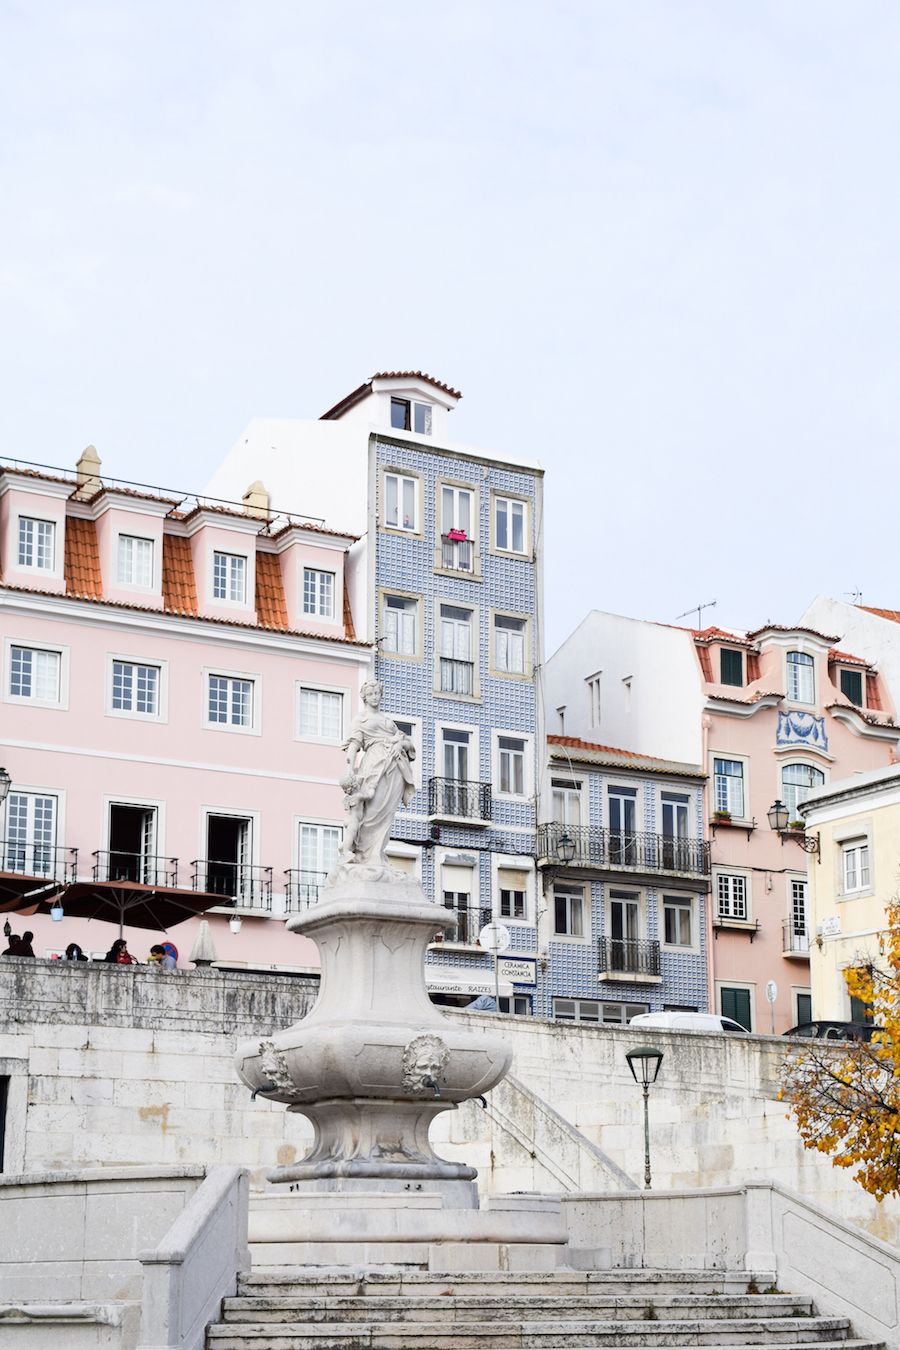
518,971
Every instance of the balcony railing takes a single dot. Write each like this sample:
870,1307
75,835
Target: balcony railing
457,677
628,956
52,861
301,889
456,554
469,923
595,846
243,885
147,868
795,939
457,798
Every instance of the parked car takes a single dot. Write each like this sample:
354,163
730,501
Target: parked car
688,1021
834,1031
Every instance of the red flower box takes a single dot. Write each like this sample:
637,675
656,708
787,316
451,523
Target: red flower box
457,536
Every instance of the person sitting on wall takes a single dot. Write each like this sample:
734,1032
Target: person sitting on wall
15,946
119,955
74,953
25,947
164,959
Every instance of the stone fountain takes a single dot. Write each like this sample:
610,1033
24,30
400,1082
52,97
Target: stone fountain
375,1061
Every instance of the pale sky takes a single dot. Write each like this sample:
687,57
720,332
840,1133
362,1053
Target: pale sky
655,243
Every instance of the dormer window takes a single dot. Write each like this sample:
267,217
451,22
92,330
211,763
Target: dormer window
36,543
801,677
852,686
230,577
135,561
731,668
407,415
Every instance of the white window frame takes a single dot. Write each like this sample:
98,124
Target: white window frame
402,475
49,570
395,849
788,789
254,727
796,992
728,757
680,900
793,668
570,889
443,527
317,823
414,406
61,703
732,873
129,582
512,863
301,686
576,787
28,790
474,747
853,849
154,804
750,987
446,857
474,648
493,666
416,737
231,558
852,670
318,573
601,1006
162,687
236,813
508,501
388,592
594,693
528,756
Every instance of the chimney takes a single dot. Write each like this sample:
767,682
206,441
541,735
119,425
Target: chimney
256,501
88,472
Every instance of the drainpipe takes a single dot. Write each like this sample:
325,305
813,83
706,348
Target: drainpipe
710,936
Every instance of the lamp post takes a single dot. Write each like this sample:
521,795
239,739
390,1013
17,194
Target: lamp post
5,782
565,847
645,1061
778,817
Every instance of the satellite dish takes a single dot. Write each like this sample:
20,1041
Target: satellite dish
494,937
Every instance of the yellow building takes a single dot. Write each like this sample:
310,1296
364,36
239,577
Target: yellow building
854,875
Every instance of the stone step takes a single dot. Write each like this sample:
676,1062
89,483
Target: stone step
320,1282
481,1308
501,1333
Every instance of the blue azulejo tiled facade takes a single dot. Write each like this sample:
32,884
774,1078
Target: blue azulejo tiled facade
625,872
457,624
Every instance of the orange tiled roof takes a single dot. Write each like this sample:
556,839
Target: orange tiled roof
363,390
635,760
720,635
892,614
790,628
845,657
271,606
575,743
82,560
178,584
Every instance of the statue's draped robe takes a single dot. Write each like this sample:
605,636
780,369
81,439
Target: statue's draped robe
385,777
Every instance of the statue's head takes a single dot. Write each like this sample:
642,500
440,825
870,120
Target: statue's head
424,1057
371,693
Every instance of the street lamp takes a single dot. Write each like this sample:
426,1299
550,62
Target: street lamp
778,817
645,1061
235,923
5,782
565,847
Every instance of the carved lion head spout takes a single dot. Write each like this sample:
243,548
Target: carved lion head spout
424,1060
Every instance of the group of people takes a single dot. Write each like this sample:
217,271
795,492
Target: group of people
118,954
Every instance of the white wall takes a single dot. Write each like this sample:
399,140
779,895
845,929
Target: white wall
876,640
660,712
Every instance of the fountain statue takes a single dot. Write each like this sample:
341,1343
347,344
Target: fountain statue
374,1061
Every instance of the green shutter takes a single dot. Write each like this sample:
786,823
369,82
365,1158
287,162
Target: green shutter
736,1005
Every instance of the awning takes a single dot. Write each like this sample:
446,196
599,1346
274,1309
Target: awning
448,980
136,903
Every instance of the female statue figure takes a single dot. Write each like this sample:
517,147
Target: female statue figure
379,777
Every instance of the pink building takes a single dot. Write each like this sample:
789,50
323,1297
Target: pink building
770,715
177,680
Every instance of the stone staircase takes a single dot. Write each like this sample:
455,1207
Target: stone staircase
308,1308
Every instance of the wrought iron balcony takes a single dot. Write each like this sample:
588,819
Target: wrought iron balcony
795,938
629,956
241,885
457,555
614,850
302,889
469,923
147,868
458,799
51,861
457,677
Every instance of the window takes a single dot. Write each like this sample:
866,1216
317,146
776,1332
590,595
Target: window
135,688
622,809
229,857
456,510
568,912
678,921
400,496
729,786
566,801
321,714
34,674
512,884
318,593
859,1011
803,1004
135,561
409,416
519,1005
589,1010
457,669
731,666
509,645
798,909
509,525
855,864
593,689
731,898
317,852
36,539
511,755
230,577
229,701
801,677
797,782
852,686
735,1004
624,917
30,833
412,730
399,616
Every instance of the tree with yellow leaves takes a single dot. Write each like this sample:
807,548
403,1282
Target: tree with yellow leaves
846,1098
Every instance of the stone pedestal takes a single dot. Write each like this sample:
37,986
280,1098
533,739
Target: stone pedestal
375,1061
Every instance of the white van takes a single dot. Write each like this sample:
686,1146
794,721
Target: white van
688,1021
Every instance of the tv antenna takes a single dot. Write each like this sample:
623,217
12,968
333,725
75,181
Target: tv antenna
698,609
855,595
